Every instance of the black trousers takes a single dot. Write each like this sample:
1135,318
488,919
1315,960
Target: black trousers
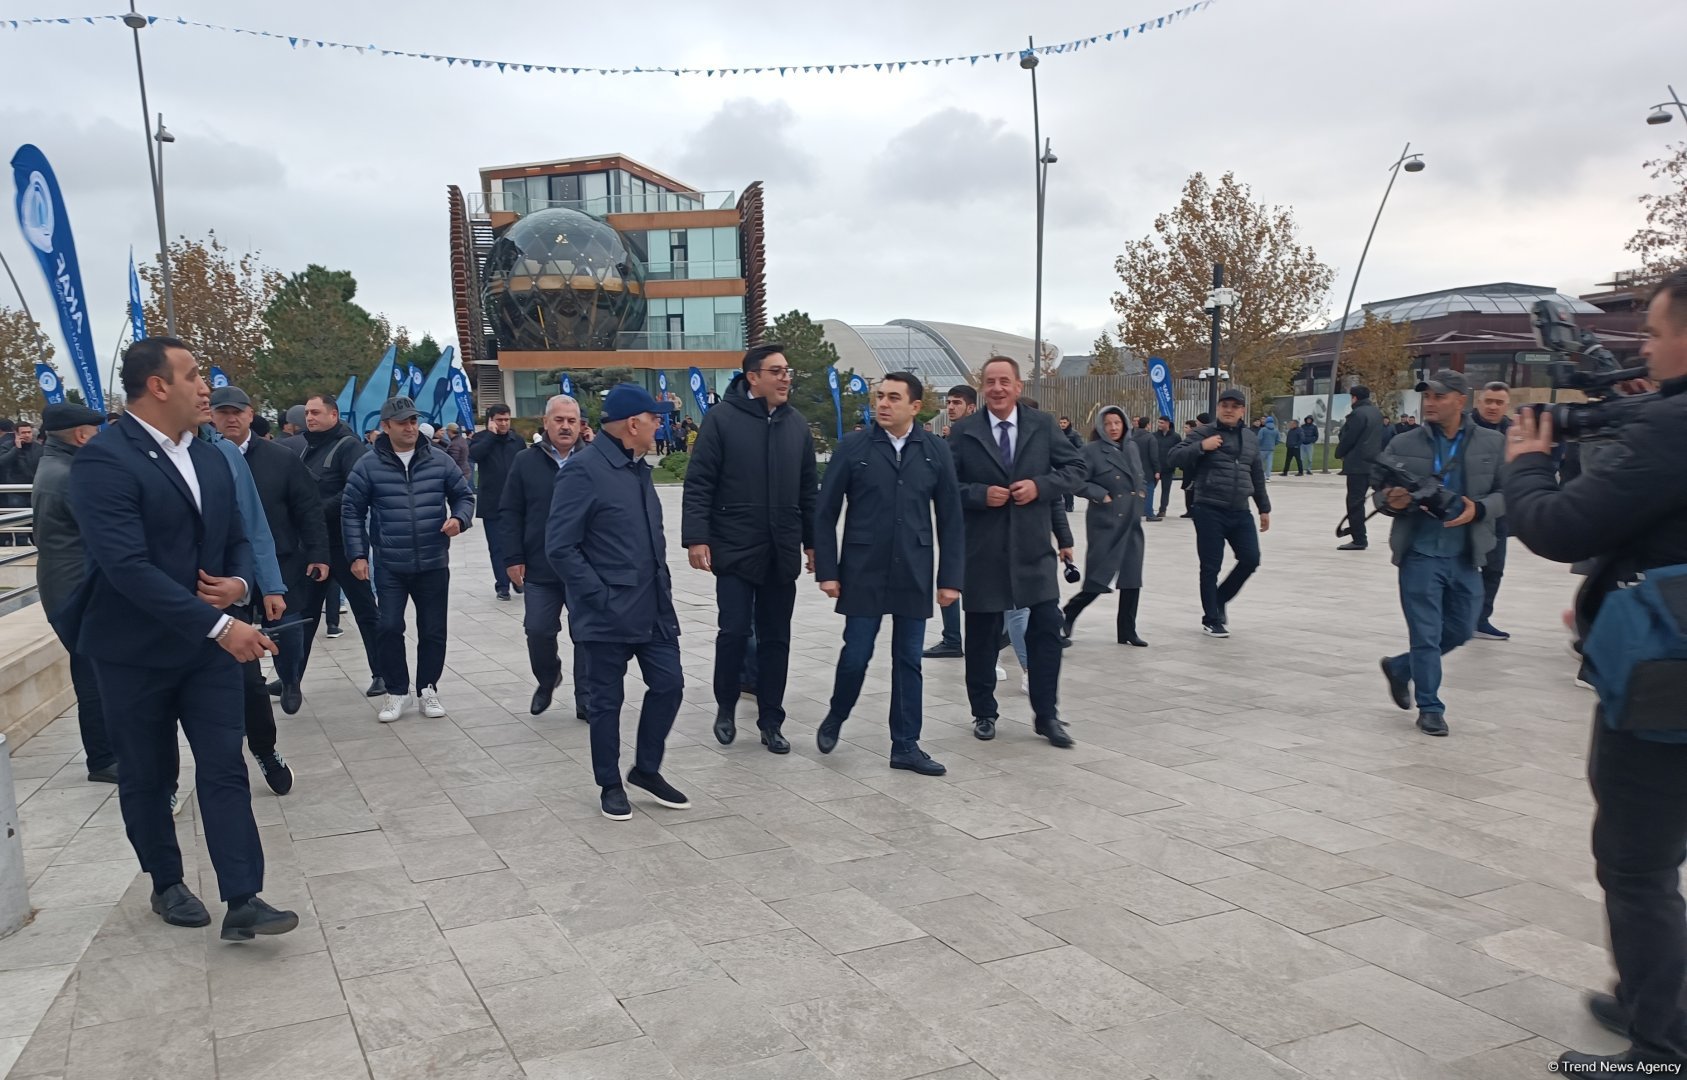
310,597
430,591
604,670
205,697
542,621
259,711
767,607
1493,572
1358,501
1042,648
90,714
1216,527
1639,842
1293,458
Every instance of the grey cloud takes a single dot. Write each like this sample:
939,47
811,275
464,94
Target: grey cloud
953,155
97,155
746,138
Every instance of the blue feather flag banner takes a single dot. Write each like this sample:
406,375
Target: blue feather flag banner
137,312
367,407
46,225
48,380
299,42
465,399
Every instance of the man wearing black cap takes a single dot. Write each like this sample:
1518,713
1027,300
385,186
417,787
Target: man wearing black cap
1224,469
1440,556
605,540
419,501
1360,443
59,565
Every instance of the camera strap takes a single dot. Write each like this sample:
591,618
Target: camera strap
1452,453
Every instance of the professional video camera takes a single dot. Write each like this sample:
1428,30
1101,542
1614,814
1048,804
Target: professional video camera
1596,374
1428,494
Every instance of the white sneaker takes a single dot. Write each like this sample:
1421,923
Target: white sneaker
393,709
178,803
1583,683
1001,673
431,707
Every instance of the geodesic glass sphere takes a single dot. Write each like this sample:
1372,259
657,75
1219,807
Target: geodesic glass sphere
562,280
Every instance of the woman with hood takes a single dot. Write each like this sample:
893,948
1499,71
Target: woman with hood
1113,524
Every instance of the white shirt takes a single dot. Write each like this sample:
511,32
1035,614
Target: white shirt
899,441
1012,422
405,456
177,454
246,444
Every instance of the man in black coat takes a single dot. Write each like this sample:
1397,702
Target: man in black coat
1226,470
892,476
523,519
1012,462
1148,449
748,518
1492,406
960,403
1358,447
493,452
1165,439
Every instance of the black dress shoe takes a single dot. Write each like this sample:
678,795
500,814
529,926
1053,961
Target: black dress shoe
916,760
1609,1012
1132,639
377,687
245,921
659,789
726,727
827,737
107,775
179,907
274,687
944,652
1432,723
292,697
1350,546
1398,689
581,714
542,698
775,742
984,728
1054,731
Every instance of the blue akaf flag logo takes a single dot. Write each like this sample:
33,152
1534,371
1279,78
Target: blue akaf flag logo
465,401
695,378
662,383
858,385
567,386
416,378
48,380
46,225
837,397
137,311
1160,375
218,379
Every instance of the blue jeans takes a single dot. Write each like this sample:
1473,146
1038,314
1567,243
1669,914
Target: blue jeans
907,683
1148,503
1018,619
1440,597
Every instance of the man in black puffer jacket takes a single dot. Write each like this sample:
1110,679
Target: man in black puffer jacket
750,491
418,500
1224,460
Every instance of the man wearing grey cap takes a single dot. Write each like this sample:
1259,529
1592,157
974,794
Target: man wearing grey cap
1224,460
1440,556
293,430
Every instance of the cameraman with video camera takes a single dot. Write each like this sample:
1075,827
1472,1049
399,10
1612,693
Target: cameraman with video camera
1628,514
1443,531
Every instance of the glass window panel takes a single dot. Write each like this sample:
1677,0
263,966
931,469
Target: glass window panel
701,243
731,304
594,192
699,315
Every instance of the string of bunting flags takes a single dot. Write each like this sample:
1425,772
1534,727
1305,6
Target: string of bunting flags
299,41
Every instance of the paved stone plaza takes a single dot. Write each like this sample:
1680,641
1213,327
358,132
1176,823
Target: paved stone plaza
1251,866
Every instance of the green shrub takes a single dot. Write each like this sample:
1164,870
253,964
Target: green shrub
676,463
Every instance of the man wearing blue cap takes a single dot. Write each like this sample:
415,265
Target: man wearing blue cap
605,540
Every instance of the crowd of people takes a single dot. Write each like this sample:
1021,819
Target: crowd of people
180,546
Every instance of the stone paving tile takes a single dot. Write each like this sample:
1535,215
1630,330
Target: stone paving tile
1403,907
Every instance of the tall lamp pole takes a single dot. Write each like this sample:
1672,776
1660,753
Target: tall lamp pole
1660,112
136,23
1411,163
1219,301
1044,158
40,341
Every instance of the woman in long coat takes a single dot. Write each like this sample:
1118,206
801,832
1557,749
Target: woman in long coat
1113,524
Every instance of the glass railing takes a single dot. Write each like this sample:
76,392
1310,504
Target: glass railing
672,340
694,269
515,202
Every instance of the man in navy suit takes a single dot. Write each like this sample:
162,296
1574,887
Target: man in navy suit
167,560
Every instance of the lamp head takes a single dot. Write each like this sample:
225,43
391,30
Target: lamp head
164,135
134,21
1049,157
1027,59
1659,116
1414,163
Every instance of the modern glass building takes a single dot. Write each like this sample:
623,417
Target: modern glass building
940,353
602,263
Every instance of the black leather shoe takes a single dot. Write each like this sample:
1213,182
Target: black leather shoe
827,737
1054,731
775,742
516,587
916,760
255,917
377,687
292,697
1432,723
1351,546
984,728
1574,1062
1609,1012
179,907
503,594
581,714
615,804
659,789
944,652
1398,689
274,687
107,775
726,727
1132,639
541,698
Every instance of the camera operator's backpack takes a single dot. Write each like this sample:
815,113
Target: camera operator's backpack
1636,655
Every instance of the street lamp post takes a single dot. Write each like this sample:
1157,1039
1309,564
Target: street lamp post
1411,163
1044,158
1660,112
1219,301
154,161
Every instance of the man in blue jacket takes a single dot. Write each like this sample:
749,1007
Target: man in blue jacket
892,476
419,501
605,540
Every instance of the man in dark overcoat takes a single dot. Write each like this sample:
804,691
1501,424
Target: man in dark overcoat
892,476
1012,461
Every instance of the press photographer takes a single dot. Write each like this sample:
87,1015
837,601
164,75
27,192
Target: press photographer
1439,481
1627,513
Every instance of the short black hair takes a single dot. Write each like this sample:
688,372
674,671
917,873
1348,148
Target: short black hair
1008,360
1497,387
1190,423
1142,423
1675,285
916,390
964,392
496,410
757,353
144,359
6,425
1204,418
328,400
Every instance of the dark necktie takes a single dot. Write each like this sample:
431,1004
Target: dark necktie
1003,444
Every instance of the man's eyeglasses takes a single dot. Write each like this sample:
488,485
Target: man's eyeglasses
776,372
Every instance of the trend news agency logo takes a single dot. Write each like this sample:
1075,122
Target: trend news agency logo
37,214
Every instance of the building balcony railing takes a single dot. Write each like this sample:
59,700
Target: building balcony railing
674,341
694,269
516,202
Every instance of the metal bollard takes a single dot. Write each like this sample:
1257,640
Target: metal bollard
14,893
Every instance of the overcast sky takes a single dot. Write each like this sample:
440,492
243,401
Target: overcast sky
888,196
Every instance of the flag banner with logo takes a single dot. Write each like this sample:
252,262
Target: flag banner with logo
137,311
48,380
465,400
695,379
1160,375
218,379
367,407
46,225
